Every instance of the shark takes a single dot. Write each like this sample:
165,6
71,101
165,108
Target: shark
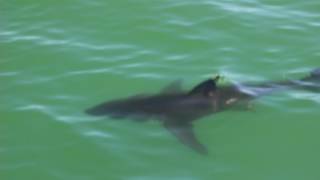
177,109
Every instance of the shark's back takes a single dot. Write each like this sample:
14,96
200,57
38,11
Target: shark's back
180,107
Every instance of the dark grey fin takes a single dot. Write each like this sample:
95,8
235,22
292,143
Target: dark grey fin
315,73
205,87
309,83
313,78
185,134
173,88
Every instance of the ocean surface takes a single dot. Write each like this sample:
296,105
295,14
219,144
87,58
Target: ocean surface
57,58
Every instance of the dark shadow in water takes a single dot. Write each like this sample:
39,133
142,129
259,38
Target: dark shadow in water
177,109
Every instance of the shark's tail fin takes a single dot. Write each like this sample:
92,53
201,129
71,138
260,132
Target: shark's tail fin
315,73
314,76
311,82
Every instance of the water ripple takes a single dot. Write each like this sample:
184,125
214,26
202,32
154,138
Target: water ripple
90,71
312,97
14,36
260,9
148,75
8,74
52,112
98,134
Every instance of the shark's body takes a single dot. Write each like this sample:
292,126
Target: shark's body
177,109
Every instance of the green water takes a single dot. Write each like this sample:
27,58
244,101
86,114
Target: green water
58,58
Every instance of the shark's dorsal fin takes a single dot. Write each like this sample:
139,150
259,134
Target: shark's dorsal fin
184,133
174,87
205,87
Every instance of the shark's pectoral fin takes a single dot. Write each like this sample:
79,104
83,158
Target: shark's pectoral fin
185,134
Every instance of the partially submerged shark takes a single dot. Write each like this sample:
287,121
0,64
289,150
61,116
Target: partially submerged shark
177,109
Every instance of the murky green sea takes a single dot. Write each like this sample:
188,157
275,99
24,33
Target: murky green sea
58,58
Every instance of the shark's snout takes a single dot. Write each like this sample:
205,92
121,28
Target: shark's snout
90,112
95,111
